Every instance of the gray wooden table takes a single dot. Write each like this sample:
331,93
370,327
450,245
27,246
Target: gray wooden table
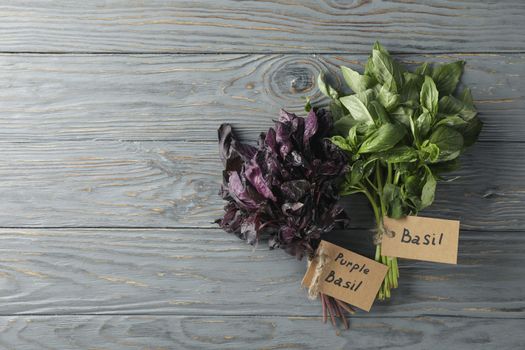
109,173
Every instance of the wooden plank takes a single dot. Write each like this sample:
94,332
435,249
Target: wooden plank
109,184
183,332
210,272
175,184
49,97
260,26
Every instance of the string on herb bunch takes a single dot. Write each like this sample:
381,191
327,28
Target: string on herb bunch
401,130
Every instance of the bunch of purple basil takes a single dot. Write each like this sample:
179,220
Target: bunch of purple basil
286,188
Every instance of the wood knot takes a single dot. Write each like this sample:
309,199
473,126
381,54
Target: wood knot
292,77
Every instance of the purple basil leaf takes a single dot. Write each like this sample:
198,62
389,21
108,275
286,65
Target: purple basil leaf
240,192
296,189
292,208
282,136
286,117
254,175
233,152
270,141
286,234
310,127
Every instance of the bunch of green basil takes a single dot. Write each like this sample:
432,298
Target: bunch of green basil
402,130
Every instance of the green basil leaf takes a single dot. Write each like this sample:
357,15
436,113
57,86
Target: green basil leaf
466,97
445,167
449,142
357,108
428,191
423,124
356,81
356,173
388,99
366,96
413,185
424,69
366,131
369,67
411,88
325,88
415,132
406,168
340,142
452,106
391,196
344,124
378,113
384,138
429,152
352,137
429,96
402,115
471,131
379,47
396,210
452,121
385,70
446,76
416,204
307,105
390,192
337,110
399,154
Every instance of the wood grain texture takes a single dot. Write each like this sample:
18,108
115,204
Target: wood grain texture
210,272
261,26
99,100
79,97
180,332
175,184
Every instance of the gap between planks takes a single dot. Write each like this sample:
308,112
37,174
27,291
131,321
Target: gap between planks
308,317
186,53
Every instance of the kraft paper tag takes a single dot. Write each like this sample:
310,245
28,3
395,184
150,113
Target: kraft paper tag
420,238
344,275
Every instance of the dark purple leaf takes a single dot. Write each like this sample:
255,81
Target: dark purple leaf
286,117
310,126
286,234
232,152
292,208
296,189
254,175
241,193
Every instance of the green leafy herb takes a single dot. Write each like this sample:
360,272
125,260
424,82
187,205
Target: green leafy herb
402,131
429,96
384,138
356,81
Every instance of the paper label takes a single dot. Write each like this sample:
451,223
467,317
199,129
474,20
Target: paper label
420,238
346,276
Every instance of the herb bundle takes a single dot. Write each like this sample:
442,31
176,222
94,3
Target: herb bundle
286,189
401,130
391,140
